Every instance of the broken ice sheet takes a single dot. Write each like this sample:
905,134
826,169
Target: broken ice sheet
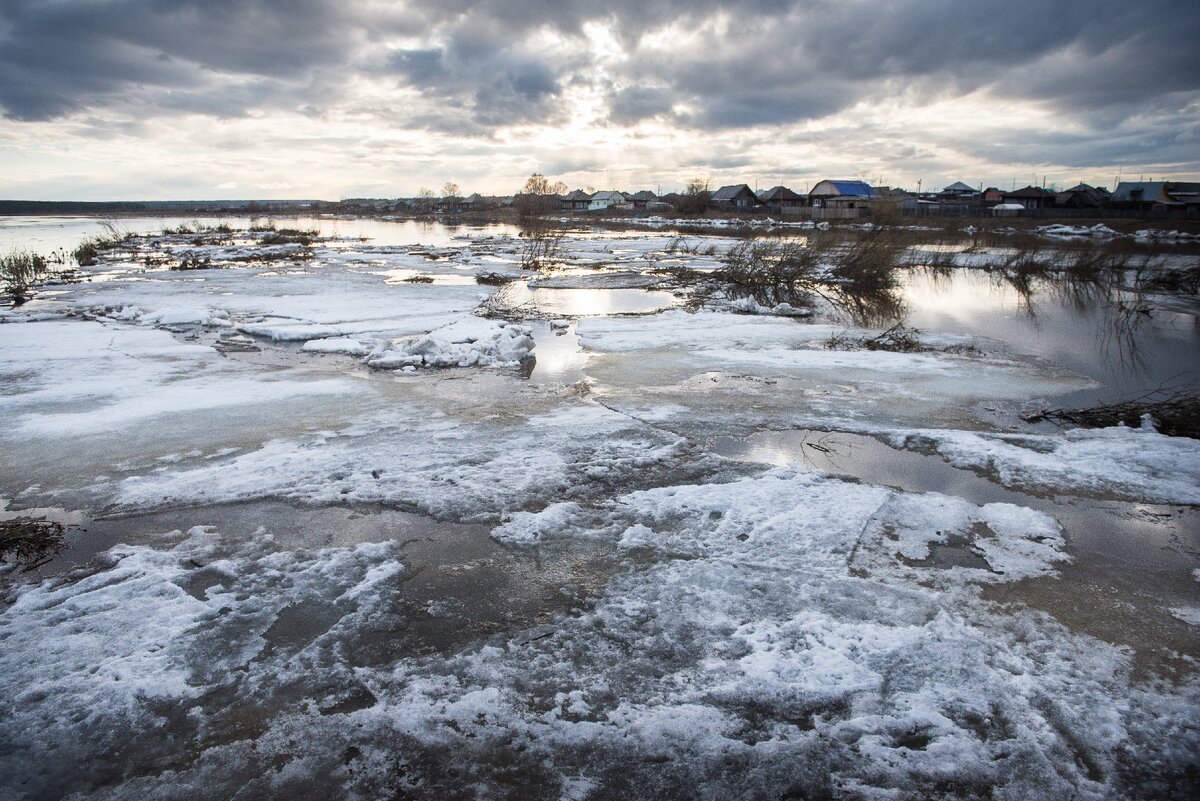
764,661
410,456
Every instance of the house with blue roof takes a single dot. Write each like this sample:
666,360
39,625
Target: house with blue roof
846,194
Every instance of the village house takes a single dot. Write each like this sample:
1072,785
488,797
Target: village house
1082,196
605,200
1145,195
958,192
781,200
639,200
735,196
1030,197
478,202
576,201
843,194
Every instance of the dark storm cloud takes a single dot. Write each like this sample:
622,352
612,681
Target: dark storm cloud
481,65
484,80
817,58
62,56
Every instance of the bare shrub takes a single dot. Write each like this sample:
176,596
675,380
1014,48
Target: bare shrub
541,243
192,261
1182,280
854,274
897,339
19,270
694,199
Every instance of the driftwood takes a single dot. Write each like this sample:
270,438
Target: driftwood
1175,413
30,542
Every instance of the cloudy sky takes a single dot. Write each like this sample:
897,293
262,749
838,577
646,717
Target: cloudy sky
162,99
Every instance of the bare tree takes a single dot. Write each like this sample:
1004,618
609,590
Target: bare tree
536,184
694,199
538,195
425,199
450,190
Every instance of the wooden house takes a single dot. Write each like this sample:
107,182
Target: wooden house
605,200
780,199
735,196
1030,197
576,201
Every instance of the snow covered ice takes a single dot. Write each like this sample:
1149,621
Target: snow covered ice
338,533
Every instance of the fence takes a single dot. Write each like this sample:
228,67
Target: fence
1153,213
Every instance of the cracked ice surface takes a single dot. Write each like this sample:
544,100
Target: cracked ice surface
414,458
798,647
71,378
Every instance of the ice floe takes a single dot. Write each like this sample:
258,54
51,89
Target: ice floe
1136,463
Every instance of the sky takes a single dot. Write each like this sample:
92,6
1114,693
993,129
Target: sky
210,99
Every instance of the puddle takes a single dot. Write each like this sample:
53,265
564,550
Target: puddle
518,297
597,280
1128,347
558,358
865,459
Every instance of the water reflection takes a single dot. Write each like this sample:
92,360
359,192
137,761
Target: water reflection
517,299
1097,329
46,234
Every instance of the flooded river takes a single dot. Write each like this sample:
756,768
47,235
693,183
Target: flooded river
394,514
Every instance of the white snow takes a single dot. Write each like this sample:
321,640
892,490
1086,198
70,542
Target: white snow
1061,231
1188,614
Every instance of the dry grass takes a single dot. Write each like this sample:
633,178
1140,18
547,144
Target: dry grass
289,236
88,251
29,543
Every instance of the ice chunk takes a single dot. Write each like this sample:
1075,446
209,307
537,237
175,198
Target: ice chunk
347,345
472,342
